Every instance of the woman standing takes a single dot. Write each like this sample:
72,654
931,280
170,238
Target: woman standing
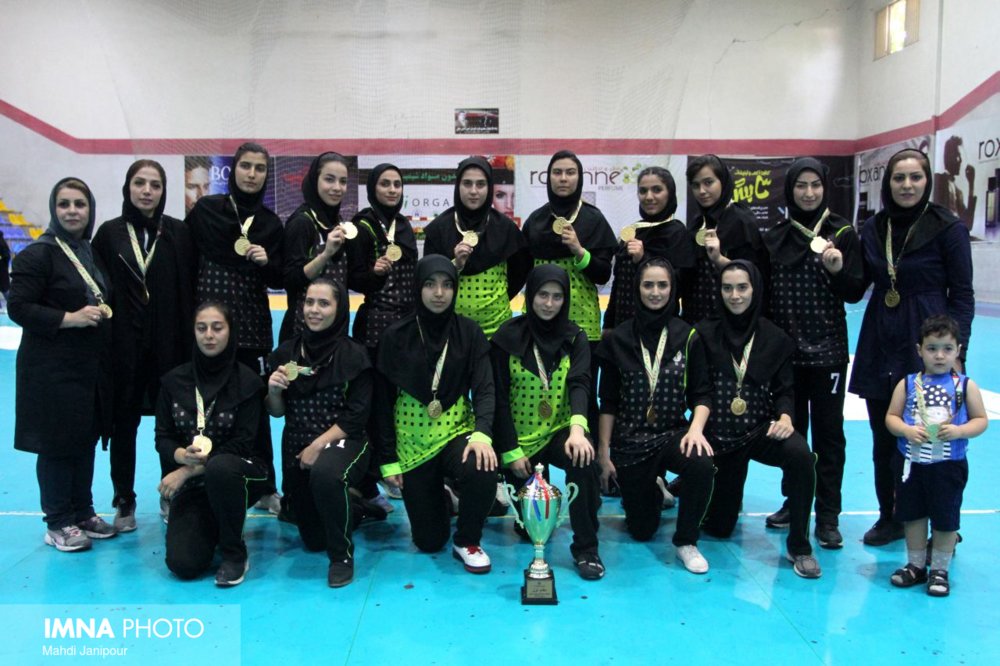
750,362
315,236
541,364
153,302
727,230
206,425
59,296
239,244
918,256
381,261
486,247
322,385
656,234
815,268
653,371
430,363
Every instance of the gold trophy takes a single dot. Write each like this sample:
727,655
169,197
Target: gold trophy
537,508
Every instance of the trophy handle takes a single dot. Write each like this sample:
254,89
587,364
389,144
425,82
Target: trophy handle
511,493
572,492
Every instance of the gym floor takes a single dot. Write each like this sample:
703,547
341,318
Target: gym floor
405,607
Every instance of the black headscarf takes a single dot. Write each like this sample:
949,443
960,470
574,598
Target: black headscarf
649,323
499,237
785,243
554,338
713,213
592,230
336,358
564,206
211,374
328,215
671,206
410,348
216,226
726,334
474,220
129,211
933,218
384,215
80,246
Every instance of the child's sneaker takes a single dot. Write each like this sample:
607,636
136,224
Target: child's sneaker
68,539
96,528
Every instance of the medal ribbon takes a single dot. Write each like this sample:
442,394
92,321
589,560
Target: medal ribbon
461,231
814,232
936,447
571,220
541,369
436,380
891,263
143,263
311,214
244,226
648,225
91,284
741,367
200,407
653,367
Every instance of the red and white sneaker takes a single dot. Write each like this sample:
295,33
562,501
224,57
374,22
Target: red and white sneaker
474,558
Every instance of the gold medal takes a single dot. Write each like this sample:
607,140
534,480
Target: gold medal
242,246
292,371
650,415
818,245
393,253
628,233
892,298
105,309
699,237
203,443
559,224
545,409
434,409
470,238
350,230
738,406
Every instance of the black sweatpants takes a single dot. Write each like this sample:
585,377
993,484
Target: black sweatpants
883,449
429,506
263,450
798,465
320,500
642,499
128,415
64,484
819,402
211,513
583,510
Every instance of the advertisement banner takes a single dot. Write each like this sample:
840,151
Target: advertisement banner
869,168
209,174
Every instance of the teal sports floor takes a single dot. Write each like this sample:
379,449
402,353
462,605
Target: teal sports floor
118,603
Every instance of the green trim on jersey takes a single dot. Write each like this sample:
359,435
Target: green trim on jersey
584,308
483,298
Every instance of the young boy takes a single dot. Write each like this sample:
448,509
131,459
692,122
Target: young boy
933,414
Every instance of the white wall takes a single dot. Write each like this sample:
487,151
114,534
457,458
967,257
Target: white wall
395,68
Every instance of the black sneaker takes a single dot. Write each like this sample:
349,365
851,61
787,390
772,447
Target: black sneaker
829,536
779,520
590,566
340,573
883,532
231,573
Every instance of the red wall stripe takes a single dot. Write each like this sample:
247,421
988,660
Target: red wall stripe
500,146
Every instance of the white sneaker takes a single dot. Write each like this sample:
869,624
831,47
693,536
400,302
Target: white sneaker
474,558
270,503
692,559
669,501
502,496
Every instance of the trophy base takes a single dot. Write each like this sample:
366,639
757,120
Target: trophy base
539,591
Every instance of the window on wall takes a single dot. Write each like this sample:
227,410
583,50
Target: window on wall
896,27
